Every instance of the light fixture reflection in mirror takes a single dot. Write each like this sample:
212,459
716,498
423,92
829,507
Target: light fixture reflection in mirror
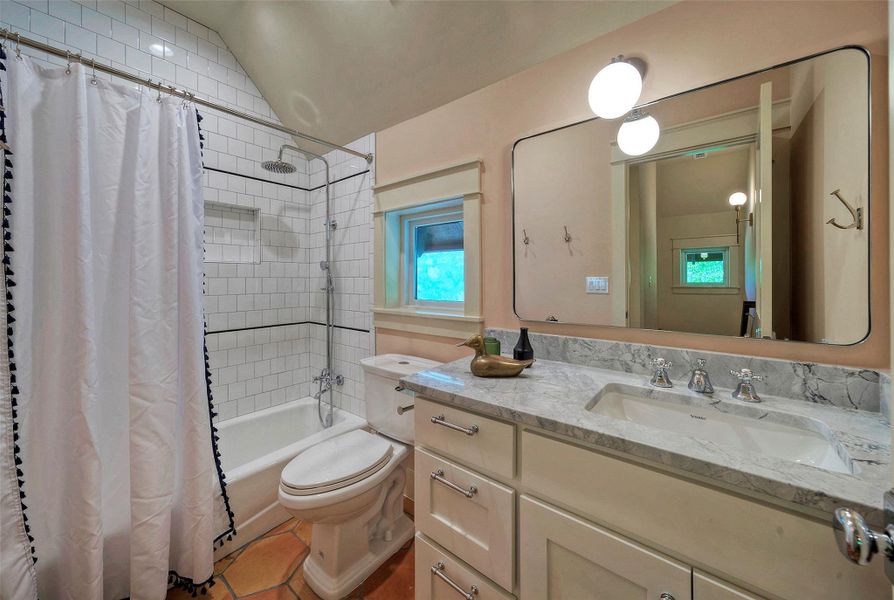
737,200
615,89
638,134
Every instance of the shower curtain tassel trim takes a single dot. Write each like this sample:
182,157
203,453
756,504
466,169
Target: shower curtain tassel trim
187,585
10,308
231,529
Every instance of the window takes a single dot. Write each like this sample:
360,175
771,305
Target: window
705,267
434,269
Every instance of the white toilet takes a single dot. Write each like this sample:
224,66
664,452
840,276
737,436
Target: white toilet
351,486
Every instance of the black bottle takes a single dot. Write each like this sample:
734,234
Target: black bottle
523,349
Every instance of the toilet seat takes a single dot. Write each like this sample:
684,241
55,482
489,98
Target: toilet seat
336,463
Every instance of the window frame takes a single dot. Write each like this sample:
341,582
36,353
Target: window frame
684,252
409,222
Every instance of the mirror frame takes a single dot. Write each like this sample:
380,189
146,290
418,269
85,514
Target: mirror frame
869,171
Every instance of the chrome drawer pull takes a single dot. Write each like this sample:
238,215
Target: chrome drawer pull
439,477
438,570
439,420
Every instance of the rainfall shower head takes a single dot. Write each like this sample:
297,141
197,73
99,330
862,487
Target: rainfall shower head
278,166
283,167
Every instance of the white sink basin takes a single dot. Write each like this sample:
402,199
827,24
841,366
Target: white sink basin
741,427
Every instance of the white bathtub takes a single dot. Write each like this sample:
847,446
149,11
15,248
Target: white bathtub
254,449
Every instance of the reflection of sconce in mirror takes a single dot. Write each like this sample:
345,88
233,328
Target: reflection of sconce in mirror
856,214
737,200
638,133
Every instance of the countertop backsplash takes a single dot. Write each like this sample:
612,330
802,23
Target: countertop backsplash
829,385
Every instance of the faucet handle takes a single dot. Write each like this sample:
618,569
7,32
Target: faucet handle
660,363
746,375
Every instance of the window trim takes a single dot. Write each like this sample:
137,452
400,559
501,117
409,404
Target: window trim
449,213
681,245
459,183
684,252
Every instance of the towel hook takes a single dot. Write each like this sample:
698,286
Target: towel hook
526,240
567,236
856,214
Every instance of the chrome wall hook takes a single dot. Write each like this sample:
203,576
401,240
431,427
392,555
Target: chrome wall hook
567,236
525,240
856,214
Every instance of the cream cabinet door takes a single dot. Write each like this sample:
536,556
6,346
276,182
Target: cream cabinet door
563,557
706,587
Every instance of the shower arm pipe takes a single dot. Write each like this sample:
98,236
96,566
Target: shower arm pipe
19,40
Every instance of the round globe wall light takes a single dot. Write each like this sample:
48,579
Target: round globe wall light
616,88
638,134
738,199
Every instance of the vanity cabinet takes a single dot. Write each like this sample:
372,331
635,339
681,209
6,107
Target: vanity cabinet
590,519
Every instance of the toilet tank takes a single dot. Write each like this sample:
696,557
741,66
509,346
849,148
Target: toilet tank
381,376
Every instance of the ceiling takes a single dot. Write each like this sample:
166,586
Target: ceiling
340,70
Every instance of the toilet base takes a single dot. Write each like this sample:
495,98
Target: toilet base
329,588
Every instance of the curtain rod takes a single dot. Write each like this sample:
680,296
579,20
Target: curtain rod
9,36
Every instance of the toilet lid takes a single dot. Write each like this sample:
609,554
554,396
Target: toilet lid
336,463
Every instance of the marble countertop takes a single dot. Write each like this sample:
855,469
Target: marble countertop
555,396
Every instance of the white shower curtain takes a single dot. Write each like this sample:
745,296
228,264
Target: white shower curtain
105,251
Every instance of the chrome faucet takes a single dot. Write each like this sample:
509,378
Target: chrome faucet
745,390
660,377
699,380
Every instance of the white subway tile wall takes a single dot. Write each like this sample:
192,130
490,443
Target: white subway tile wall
271,360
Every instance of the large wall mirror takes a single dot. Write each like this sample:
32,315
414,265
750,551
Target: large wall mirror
749,217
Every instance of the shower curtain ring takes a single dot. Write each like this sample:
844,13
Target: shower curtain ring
93,80
68,61
18,47
5,38
158,98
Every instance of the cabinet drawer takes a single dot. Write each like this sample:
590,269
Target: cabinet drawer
566,557
490,447
429,586
706,587
477,526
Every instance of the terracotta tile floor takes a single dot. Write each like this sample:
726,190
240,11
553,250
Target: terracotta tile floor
272,568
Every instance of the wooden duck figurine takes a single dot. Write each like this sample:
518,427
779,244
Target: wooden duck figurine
492,365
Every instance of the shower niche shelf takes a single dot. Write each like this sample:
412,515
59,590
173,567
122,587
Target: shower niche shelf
232,233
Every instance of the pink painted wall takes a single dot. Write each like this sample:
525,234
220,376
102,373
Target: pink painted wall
687,45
